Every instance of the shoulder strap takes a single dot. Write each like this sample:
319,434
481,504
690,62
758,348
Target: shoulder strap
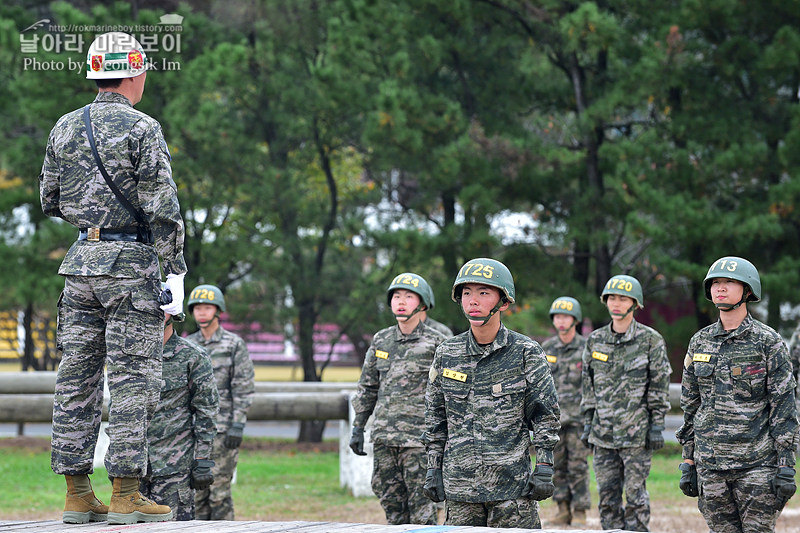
124,201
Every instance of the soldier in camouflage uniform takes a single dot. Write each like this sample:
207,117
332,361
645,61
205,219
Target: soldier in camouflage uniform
625,387
392,386
183,428
564,352
489,393
234,374
794,354
108,313
435,324
740,428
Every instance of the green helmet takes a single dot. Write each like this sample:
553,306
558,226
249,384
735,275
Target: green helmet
735,268
486,272
206,294
625,286
566,305
414,283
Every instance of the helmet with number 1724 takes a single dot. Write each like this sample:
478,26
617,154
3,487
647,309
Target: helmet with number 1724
414,283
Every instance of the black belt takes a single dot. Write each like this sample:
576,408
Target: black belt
103,234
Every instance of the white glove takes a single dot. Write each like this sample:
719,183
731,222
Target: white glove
175,286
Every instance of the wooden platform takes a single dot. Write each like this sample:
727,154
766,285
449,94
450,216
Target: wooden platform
197,526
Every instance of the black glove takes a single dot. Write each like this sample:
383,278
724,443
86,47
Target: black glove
202,478
587,430
688,483
434,485
540,484
357,441
783,485
233,439
655,438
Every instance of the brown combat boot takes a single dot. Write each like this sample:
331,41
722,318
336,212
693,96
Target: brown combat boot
579,517
128,506
563,516
84,507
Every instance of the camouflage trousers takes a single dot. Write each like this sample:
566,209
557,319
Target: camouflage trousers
174,490
521,513
216,502
398,475
116,324
618,469
737,501
571,469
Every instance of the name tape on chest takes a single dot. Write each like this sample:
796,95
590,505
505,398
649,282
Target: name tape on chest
380,354
701,357
600,356
452,374
551,358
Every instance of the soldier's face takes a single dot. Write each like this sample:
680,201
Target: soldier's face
618,303
204,313
726,291
562,322
404,302
478,300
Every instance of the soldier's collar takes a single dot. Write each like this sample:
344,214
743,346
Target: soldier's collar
112,97
501,340
745,326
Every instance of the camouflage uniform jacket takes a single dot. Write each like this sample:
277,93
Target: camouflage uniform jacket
135,155
738,398
234,373
794,354
625,385
566,361
438,326
392,384
185,421
481,404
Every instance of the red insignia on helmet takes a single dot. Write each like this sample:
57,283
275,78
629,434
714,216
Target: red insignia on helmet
135,59
97,63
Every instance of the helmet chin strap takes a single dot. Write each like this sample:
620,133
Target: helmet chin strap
414,312
574,323
623,315
483,319
206,323
730,307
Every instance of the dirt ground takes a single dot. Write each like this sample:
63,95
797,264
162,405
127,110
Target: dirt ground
685,519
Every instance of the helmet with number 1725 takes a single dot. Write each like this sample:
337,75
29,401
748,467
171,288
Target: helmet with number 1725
485,271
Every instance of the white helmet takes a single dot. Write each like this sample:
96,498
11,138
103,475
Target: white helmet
115,55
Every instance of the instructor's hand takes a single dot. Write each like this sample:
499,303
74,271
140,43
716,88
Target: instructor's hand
357,441
434,485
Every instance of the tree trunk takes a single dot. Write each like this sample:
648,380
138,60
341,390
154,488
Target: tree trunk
29,350
310,430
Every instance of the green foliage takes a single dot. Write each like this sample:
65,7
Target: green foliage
321,147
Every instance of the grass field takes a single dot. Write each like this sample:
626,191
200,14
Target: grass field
284,481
